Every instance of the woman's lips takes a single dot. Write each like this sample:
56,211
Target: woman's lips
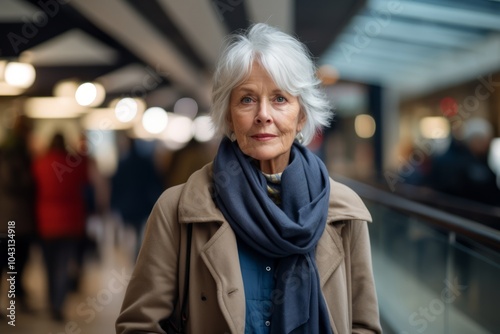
263,136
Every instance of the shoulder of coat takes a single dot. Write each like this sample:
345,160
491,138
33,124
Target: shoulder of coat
345,204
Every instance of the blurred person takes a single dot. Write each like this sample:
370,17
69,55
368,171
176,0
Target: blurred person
17,201
61,177
277,246
97,196
413,173
98,190
135,186
186,161
463,169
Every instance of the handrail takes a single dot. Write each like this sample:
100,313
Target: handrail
471,229
477,211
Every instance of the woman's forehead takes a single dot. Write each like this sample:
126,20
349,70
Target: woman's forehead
257,77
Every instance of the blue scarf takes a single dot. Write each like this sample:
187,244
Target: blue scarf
289,233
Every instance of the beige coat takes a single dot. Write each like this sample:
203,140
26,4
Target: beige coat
216,294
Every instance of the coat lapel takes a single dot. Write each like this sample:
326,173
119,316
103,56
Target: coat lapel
224,267
329,252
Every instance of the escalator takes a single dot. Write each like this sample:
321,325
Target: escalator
435,272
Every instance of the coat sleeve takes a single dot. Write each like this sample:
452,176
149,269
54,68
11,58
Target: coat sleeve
152,290
365,314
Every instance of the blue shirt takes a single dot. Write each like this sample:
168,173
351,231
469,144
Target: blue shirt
258,280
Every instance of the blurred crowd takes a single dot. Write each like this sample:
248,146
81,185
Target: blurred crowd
462,169
58,195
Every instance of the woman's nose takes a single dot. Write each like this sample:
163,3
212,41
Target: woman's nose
263,113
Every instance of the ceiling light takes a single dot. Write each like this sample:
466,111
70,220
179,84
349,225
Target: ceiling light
203,128
8,90
155,120
52,107
365,126
90,94
66,88
434,127
186,106
21,75
126,109
103,119
328,74
179,129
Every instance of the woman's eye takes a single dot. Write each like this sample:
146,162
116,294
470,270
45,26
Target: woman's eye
246,99
280,99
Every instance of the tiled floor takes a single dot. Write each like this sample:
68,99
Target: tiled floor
93,309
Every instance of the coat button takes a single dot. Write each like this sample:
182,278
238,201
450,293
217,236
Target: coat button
267,323
268,268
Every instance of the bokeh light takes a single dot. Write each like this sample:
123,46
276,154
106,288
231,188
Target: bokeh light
90,94
66,88
328,74
126,109
365,126
155,120
186,107
21,75
448,106
434,127
203,128
179,129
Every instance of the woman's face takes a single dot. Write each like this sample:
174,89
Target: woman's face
265,120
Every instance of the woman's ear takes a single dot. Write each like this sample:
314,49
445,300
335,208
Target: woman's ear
229,120
302,121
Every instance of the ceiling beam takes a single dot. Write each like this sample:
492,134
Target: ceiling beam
201,27
34,32
165,23
278,13
133,31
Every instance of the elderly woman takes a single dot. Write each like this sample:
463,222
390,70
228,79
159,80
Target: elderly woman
276,245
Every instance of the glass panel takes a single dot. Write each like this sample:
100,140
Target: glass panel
429,283
478,295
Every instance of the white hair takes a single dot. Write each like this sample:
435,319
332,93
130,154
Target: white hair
289,64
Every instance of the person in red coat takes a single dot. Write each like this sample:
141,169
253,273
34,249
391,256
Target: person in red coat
60,207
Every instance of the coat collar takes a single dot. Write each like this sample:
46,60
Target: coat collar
197,206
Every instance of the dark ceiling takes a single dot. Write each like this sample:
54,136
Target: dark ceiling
162,49
46,27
